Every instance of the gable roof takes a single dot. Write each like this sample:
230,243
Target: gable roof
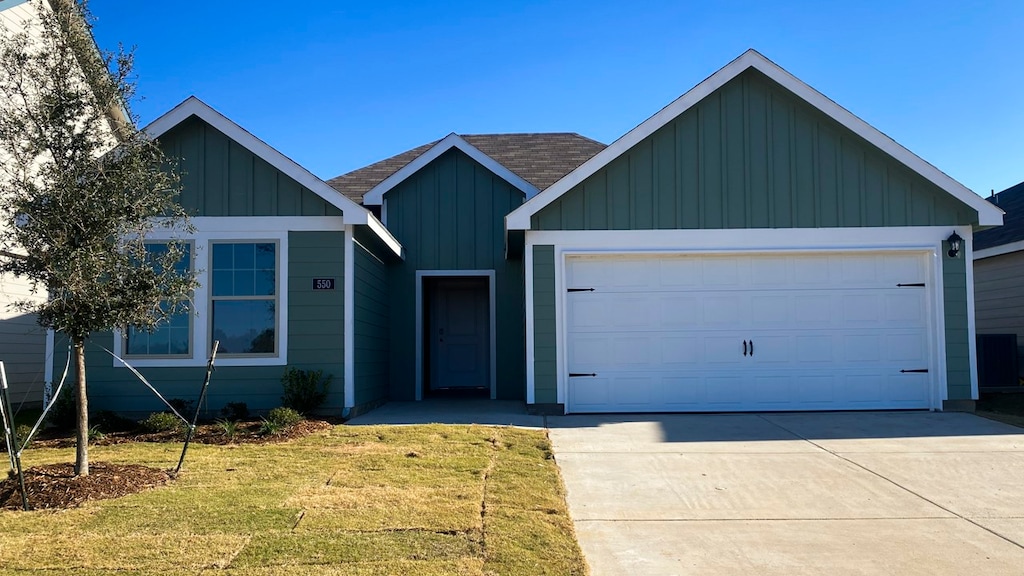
1010,236
540,159
352,213
520,218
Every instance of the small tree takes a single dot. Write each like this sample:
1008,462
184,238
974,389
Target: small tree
80,188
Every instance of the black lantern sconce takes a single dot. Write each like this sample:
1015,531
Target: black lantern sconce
954,244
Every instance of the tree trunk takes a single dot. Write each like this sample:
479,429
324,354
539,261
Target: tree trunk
82,404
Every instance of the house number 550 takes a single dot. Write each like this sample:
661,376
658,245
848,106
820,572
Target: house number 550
323,283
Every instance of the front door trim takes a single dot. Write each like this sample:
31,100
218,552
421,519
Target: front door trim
492,311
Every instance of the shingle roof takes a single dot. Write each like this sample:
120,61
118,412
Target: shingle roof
540,159
1011,201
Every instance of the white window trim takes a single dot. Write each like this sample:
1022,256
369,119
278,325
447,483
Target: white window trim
926,240
230,229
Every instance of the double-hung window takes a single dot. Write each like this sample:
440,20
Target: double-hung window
244,297
172,338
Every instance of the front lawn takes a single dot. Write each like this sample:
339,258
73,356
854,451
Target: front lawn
427,500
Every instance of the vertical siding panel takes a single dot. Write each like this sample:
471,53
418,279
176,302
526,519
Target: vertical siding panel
596,202
827,177
447,215
214,164
665,195
264,196
641,170
852,190
782,162
757,156
711,163
920,206
688,182
423,213
549,218
618,194
898,192
289,196
191,164
486,187
466,210
240,183
544,339
573,210
803,160
874,191
734,162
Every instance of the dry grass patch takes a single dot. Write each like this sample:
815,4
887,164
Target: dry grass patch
417,500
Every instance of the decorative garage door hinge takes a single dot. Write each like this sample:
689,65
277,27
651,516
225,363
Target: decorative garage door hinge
915,371
580,290
914,285
578,374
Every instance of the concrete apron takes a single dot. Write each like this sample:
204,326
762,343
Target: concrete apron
790,494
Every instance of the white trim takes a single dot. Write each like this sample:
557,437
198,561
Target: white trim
988,215
492,308
350,319
240,229
352,213
531,392
1008,248
926,240
972,344
375,196
385,235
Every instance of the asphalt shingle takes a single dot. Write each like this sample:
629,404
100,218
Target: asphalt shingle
540,159
1011,201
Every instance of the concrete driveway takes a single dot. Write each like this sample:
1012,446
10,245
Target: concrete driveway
789,494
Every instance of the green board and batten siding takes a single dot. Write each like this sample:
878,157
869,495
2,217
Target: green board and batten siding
221,178
450,215
372,318
753,155
545,368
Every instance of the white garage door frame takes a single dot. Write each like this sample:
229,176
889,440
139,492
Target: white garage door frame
926,240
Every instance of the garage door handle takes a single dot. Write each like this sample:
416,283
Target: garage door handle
751,347
916,371
578,374
744,347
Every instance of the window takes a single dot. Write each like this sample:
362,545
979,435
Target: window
244,298
173,337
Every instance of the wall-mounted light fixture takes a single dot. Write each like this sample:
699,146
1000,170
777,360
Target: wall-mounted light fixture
954,244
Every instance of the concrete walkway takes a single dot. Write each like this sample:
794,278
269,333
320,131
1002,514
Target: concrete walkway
790,494
452,411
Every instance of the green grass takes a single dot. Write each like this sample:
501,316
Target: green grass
417,500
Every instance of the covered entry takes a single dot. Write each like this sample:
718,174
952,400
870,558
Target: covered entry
456,333
713,332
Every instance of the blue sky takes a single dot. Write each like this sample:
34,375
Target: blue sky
337,85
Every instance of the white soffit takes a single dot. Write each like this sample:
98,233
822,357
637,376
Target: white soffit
988,215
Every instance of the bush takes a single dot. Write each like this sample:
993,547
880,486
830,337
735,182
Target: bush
63,415
283,417
269,428
110,421
228,427
304,390
184,407
21,432
235,411
161,422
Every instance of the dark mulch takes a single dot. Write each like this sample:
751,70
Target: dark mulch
56,487
210,433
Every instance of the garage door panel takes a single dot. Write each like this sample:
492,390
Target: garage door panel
829,331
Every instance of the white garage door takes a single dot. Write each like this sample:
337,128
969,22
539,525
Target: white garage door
680,333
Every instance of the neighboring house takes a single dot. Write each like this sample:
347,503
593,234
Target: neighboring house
752,246
999,274
22,340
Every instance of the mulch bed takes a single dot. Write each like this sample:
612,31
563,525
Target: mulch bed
56,487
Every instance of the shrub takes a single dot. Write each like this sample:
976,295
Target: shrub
21,432
95,434
161,422
269,428
284,417
184,407
110,421
63,415
235,411
304,390
228,427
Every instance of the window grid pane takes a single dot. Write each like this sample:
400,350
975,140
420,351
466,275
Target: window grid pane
173,337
